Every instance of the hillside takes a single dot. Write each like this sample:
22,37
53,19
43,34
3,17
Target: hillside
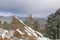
8,19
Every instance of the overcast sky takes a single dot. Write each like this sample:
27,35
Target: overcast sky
22,8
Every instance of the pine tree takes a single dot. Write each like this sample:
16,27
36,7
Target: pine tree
5,25
0,24
26,22
53,25
29,21
36,26
33,23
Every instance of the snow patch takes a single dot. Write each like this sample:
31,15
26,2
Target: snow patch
28,32
39,34
19,31
44,38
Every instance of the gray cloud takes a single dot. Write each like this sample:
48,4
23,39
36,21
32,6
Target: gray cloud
25,7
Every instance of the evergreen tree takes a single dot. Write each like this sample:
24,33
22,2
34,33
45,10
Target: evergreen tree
0,24
29,21
26,22
36,26
53,25
33,23
5,25
30,17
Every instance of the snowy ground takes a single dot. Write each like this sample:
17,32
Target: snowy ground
36,38
44,38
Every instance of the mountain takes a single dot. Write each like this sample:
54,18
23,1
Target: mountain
8,19
21,31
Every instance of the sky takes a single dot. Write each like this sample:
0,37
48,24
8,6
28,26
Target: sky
23,8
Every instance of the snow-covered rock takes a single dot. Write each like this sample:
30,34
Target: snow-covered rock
39,34
19,31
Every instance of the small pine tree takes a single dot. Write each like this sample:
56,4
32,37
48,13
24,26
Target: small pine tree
36,26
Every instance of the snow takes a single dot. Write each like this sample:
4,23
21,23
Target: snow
20,20
31,32
35,34
39,34
11,33
5,34
44,38
19,31
28,32
1,31
30,29
5,31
